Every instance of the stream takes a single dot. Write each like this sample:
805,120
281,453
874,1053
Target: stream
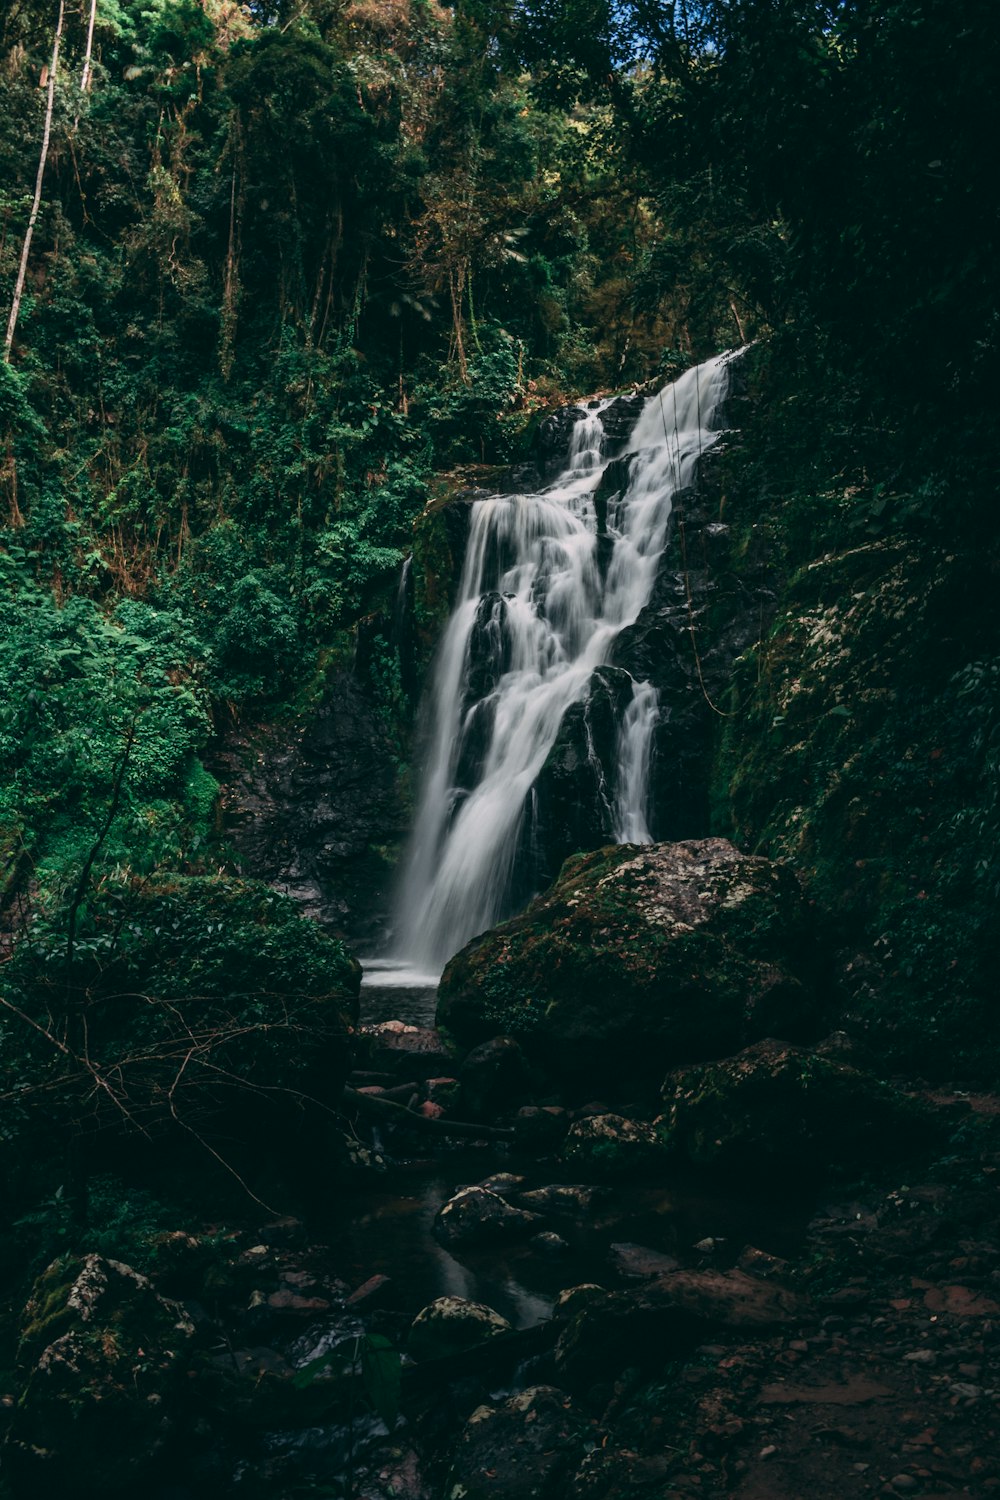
389,1229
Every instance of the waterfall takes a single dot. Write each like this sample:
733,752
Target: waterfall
634,753
535,616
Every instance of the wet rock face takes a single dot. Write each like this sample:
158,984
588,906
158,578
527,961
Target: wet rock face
575,791
312,808
520,1450
620,417
709,606
553,437
451,1325
103,1354
775,1105
639,958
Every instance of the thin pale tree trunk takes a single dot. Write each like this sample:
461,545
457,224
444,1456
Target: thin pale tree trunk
85,75
15,306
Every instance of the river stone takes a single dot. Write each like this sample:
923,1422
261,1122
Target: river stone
639,1262
774,1105
408,1052
609,1146
451,1325
539,1127
665,1318
641,958
475,1216
102,1357
565,1199
520,1450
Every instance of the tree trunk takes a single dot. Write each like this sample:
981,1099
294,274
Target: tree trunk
85,75
15,306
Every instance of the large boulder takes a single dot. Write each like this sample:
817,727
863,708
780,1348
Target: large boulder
520,1450
642,957
775,1105
665,1319
475,1216
103,1358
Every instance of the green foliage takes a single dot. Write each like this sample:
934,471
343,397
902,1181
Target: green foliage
199,1009
381,1373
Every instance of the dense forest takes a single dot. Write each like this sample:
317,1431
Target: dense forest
280,280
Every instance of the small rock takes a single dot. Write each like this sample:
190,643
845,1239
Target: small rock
903,1482
289,1301
759,1263
571,1200
640,1262
766,1452
705,1246
502,1183
921,1357
964,1391
450,1325
549,1243
572,1298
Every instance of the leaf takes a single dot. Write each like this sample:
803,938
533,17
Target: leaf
381,1376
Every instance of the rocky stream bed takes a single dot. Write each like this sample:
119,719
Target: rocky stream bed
769,1273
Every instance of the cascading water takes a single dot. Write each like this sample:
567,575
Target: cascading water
536,615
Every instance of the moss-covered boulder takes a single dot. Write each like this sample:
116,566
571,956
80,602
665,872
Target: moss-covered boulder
103,1358
642,957
774,1105
476,1216
611,1147
450,1325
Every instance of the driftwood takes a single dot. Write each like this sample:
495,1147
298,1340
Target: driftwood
378,1104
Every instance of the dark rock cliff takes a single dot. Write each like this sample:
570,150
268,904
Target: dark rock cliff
314,807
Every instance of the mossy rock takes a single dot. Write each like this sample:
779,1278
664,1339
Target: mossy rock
450,1325
102,1359
522,1449
642,958
609,1147
775,1106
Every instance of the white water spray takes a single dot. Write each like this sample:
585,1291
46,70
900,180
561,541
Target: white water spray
533,620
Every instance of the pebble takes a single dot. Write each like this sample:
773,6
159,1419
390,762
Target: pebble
904,1482
965,1391
921,1357
766,1452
